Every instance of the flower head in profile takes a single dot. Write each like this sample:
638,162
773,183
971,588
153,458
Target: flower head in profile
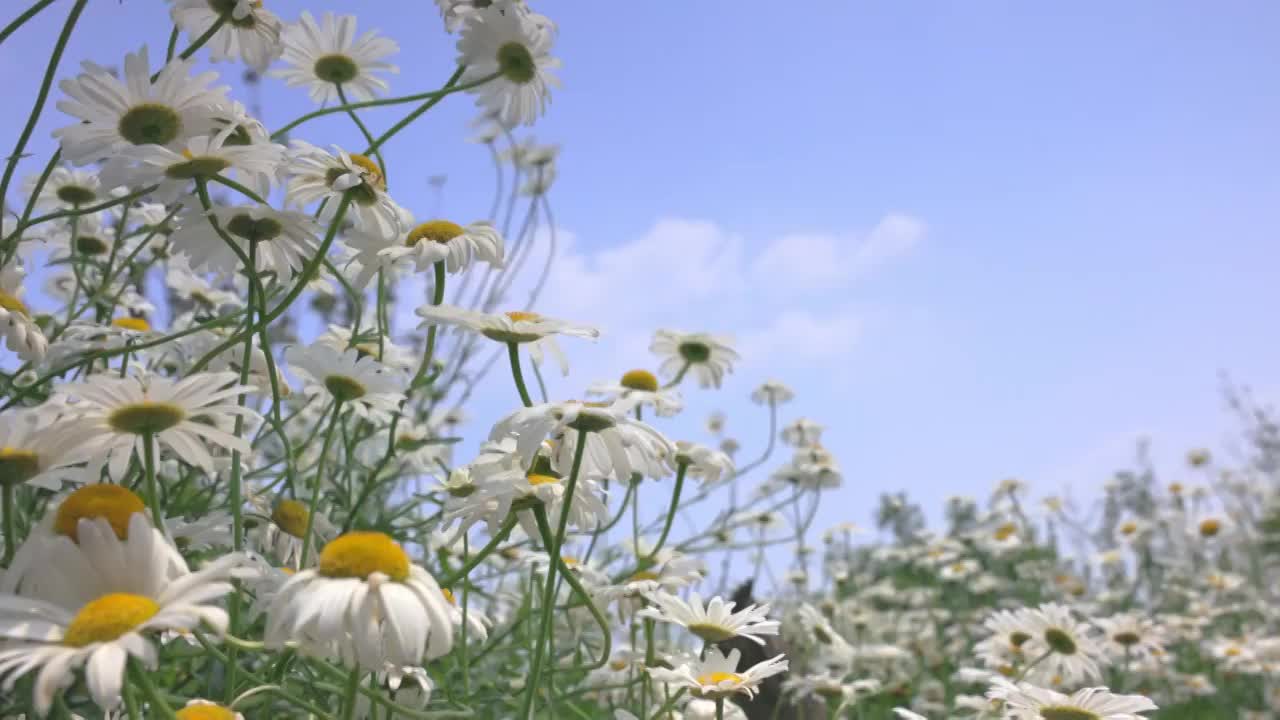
251,34
317,176
327,56
360,382
714,622
366,602
516,47
283,240
708,356
1028,702
426,244
65,188
521,327
640,387
116,113
21,333
717,676
772,392
33,451
201,158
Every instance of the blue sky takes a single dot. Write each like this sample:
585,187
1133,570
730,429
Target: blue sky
980,239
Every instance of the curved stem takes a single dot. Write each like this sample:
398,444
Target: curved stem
540,515
315,484
681,468
23,18
484,552
143,679
513,353
364,131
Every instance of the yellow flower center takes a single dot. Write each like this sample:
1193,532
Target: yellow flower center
711,633
536,479
1064,712
715,678
448,595
359,554
570,560
519,316
618,665
146,417
109,617
1129,528
441,231
101,500
345,388
1175,488
17,465
375,177
1005,531
205,712
132,323
13,304
642,576
1210,527
640,380
291,517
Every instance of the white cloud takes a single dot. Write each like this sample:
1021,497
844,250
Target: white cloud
810,263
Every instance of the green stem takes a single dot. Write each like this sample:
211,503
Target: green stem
200,41
540,515
681,467
41,96
719,708
484,552
143,679
513,353
153,491
349,701
430,103
315,484
9,537
679,376
364,131
23,18
548,595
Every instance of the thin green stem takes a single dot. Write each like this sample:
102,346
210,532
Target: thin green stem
681,467
23,18
364,130
42,95
349,700
430,103
484,552
9,537
153,490
315,484
513,354
143,679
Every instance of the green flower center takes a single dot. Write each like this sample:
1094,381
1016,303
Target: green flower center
516,64
1059,641
226,7
1126,638
337,69
711,633
1067,713
344,388
150,124
695,352
251,228
640,380
17,466
90,245
146,417
197,167
75,194
1018,639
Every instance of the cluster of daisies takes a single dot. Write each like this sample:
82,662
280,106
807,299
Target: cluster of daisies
234,485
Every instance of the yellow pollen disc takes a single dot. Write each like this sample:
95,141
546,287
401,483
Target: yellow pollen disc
441,231
100,500
109,617
1175,488
618,665
448,595
359,554
1129,528
146,417
519,316
132,323
13,304
570,560
715,678
643,575
640,380
187,154
288,570
1006,531
958,567
371,167
205,712
1210,527
1232,652
537,479
291,516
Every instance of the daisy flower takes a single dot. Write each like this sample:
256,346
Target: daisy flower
709,356
772,393
367,602
202,157
617,443
502,487
21,333
716,622
33,452
706,464
198,709
317,176
1130,634
397,357
286,525
114,113
510,327
66,188
285,240
360,382
188,286
327,55
667,571
716,676
112,416
510,45
640,387
251,33
85,237
1027,702
801,433
1073,654
132,595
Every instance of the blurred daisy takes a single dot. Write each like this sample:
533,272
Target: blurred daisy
507,43
85,238
317,176
204,709
202,157
285,240
251,34
1072,651
707,464
361,383
327,55
717,677
709,356
115,113
189,286
510,327
802,432
66,188
617,444
716,621
33,451
21,333
772,392
1027,702
366,602
113,415
397,357
138,597
640,388
1130,634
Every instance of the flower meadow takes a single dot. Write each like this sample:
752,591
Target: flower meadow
228,515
